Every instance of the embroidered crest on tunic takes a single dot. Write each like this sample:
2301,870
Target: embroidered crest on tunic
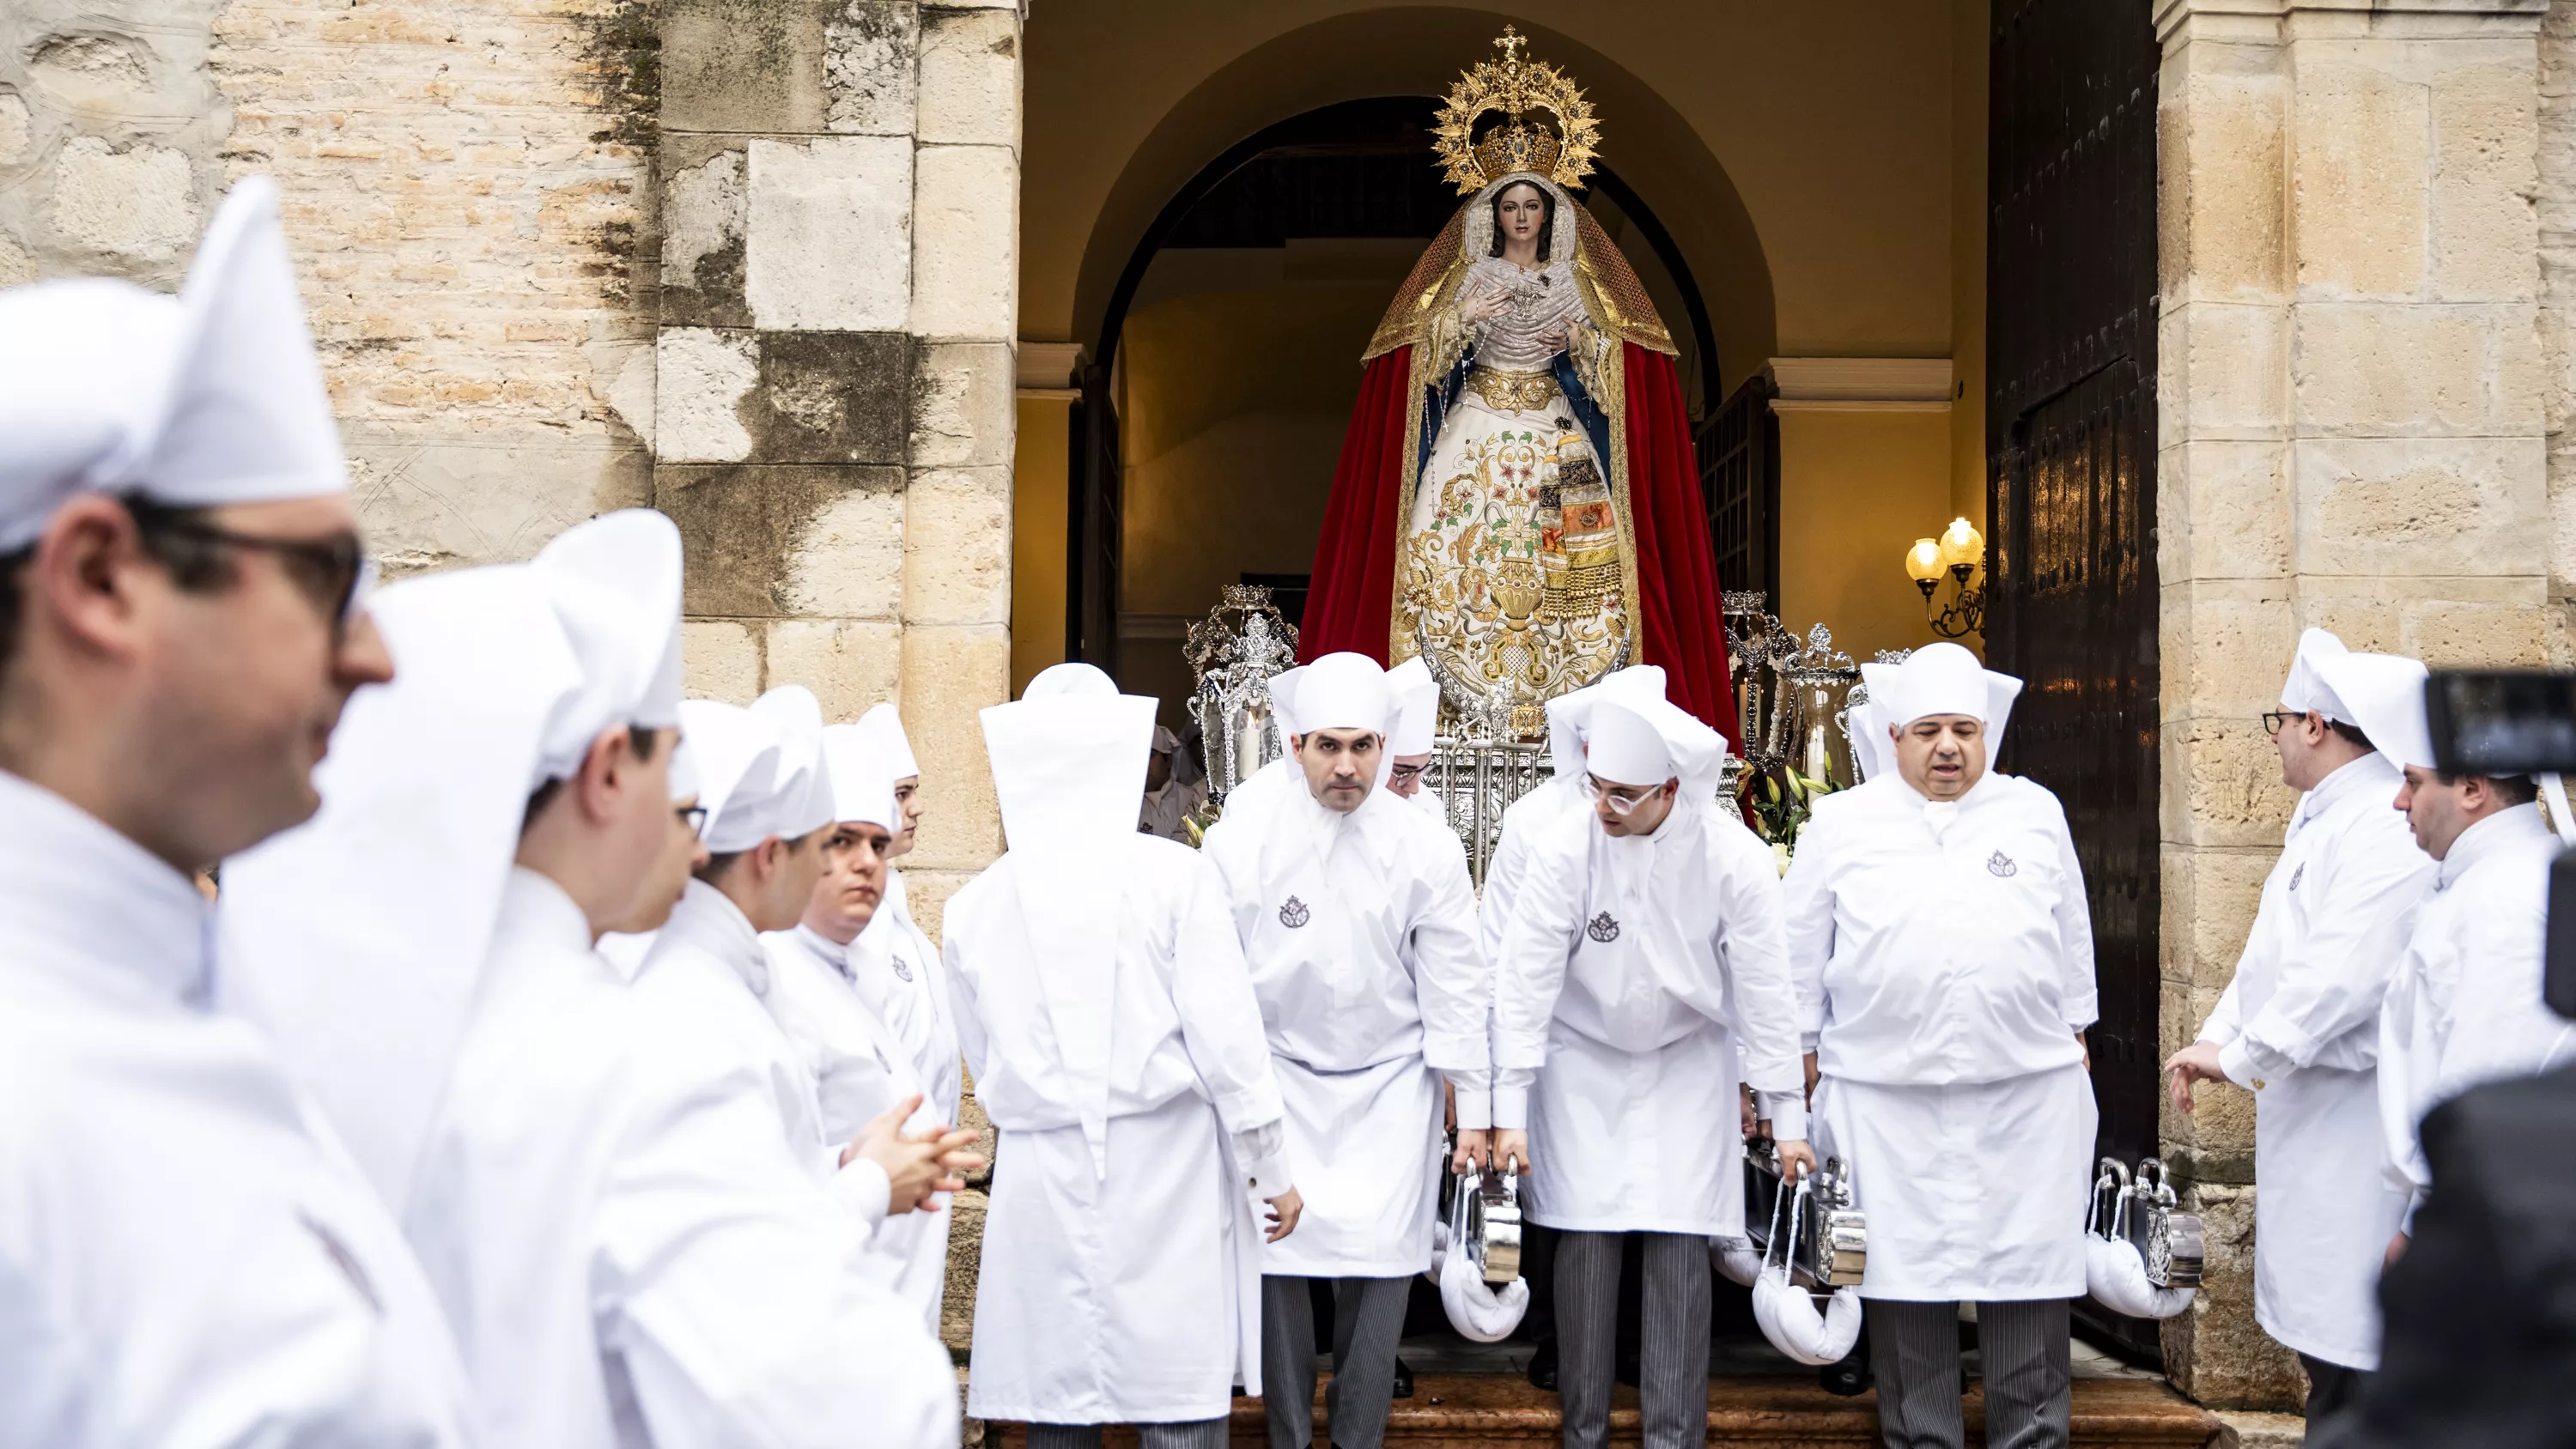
902,969
2002,864
1293,913
1604,928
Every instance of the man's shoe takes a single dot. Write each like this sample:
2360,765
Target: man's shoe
1542,1365
1403,1380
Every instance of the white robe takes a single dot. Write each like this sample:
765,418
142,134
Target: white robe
1129,1297
2299,1027
1627,964
1944,978
707,976
860,1070
899,975
2465,1007
1360,929
187,1258
1524,820
630,1256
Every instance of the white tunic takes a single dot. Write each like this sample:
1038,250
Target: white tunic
706,976
629,1254
1627,963
860,1070
1130,1297
1524,820
1360,929
187,1258
1944,960
898,974
2465,1007
2299,1027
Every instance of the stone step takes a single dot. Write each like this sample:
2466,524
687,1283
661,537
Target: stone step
1470,1411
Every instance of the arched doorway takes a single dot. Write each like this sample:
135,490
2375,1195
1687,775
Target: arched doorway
1202,449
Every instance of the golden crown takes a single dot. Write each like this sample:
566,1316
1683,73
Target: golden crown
1515,87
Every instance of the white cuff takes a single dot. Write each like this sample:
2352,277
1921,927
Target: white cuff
1511,1108
2238,1064
1475,1109
1787,1113
1269,1176
863,1193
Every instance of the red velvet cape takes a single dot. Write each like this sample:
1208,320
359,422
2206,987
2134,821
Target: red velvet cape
1351,602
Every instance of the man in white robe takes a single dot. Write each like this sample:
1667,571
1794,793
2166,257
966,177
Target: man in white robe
1168,802
768,798
629,1253
2299,1028
1944,955
861,1069
187,1257
2465,1006
1117,1045
1415,738
1646,931
1355,912
893,963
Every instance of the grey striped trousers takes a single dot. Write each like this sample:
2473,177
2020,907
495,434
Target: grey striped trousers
1368,1318
1914,1354
1673,1345
1192,1434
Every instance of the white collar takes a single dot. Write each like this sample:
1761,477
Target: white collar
69,880
831,953
2344,781
708,919
534,907
2500,831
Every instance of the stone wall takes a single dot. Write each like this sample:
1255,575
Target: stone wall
2352,435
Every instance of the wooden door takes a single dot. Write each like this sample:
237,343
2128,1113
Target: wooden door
1094,530
2071,408
1739,479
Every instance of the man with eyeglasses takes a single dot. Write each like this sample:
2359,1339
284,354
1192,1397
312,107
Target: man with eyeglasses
1415,737
627,1251
1643,974
1943,952
2298,1027
185,1258
1356,915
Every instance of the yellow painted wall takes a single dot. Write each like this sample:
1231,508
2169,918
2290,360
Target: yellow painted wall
1856,488
1038,469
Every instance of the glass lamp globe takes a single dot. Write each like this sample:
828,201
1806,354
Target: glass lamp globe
1962,545
1923,561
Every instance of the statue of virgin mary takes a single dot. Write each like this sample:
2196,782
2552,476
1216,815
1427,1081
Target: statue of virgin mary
1517,501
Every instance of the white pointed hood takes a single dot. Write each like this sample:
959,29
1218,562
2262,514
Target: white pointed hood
215,397
1068,771
760,770
356,939
2385,694
1417,697
1943,679
1569,715
2306,690
886,728
862,777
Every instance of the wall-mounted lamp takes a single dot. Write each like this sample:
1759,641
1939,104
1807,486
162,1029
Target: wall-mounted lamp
1960,553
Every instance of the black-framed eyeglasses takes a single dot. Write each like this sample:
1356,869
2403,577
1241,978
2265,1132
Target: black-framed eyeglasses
336,573
1622,799
692,816
2273,719
1402,774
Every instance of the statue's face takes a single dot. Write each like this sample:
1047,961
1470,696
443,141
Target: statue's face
1520,212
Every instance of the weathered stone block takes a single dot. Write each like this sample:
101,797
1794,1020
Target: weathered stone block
140,202
743,525
2215,1352
829,246
2421,505
721,659
2260,1431
2480,636
849,559
2223,512
2222,784
850,664
15,128
2485,238
871,50
2391,368
966,209
830,397
2220,140
970,78
964,405
2359,162
705,214
957,547
442,500
949,673
743,65
2210,897
2225,646
702,377
2223,365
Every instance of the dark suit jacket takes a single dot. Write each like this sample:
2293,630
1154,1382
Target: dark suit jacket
2480,1347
